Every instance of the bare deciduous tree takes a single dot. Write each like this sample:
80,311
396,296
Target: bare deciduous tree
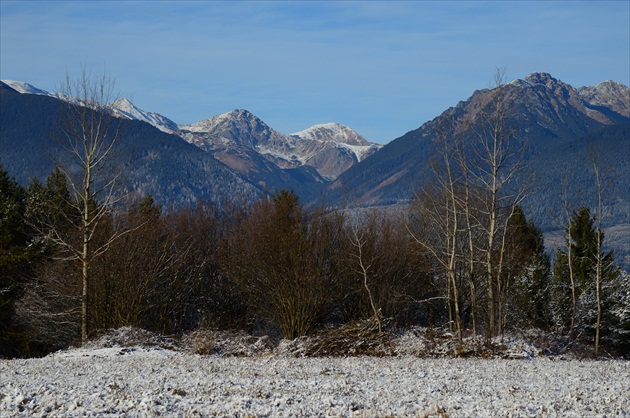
601,183
280,257
359,242
497,162
565,202
86,135
442,208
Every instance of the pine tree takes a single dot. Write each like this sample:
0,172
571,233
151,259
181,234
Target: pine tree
529,266
584,250
15,254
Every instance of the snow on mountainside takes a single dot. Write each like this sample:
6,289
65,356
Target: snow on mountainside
239,139
330,148
122,107
332,132
235,128
26,88
342,136
609,94
127,109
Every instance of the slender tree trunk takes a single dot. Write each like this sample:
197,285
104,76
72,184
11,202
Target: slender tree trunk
84,298
452,266
471,278
598,268
449,304
490,332
502,286
570,261
471,247
359,242
473,305
85,252
598,285
364,271
573,291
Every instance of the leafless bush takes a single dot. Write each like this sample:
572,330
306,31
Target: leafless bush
439,343
203,342
355,338
230,343
133,337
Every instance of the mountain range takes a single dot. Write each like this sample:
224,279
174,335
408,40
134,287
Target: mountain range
237,153
545,112
239,138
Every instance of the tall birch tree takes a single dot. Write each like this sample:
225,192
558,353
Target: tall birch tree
86,136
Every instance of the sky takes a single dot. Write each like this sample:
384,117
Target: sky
381,68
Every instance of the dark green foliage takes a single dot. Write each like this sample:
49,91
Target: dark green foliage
528,264
15,258
49,207
49,294
583,241
582,237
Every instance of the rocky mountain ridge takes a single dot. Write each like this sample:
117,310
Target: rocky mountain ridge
231,137
544,112
176,173
329,148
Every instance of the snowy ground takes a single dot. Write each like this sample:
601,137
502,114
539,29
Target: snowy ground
139,382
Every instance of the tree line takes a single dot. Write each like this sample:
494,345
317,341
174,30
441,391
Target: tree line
279,268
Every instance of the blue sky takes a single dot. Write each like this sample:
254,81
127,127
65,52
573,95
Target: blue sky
382,68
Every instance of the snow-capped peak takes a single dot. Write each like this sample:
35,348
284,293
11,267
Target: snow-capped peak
332,131
25,88
339,135
210,124
125,108
122,107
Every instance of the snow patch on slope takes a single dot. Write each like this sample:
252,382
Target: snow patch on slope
125,108
25,88
341,136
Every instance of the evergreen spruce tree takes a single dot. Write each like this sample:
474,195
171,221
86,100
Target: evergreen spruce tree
15,254
529,265
584,252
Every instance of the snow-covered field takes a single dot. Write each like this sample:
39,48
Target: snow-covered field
139,382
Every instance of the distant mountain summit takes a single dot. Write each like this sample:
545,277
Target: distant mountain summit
246,145
163,165
122,107
606,97
606,103
332,132
236,128
342,136
128,110
25,88
544,111
328,148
